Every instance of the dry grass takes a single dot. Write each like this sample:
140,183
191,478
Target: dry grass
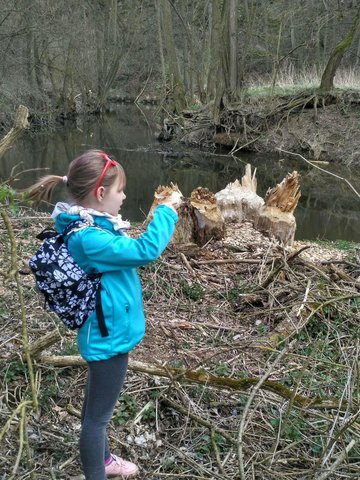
290,79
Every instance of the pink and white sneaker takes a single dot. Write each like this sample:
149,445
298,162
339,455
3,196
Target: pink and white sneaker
121,468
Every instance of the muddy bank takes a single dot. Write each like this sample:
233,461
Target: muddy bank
322,128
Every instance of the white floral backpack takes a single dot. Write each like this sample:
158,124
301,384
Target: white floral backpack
68,290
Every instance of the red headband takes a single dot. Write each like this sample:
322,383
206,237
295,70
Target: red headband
109,163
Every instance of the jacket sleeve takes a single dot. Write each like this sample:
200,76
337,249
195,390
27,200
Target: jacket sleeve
105,251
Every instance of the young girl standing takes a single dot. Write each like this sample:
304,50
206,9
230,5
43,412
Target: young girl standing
96,185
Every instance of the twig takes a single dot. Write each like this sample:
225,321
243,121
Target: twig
198,419
187,264
21,440
341,457
254,391
18,409
148,78
323,170
24,333
305,298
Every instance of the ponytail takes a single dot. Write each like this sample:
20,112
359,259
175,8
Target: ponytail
81,178
43,189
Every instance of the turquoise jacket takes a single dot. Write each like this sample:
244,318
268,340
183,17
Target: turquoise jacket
116,256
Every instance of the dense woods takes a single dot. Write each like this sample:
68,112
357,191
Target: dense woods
249,368
66,59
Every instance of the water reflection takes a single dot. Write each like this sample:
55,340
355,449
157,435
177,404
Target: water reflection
328,208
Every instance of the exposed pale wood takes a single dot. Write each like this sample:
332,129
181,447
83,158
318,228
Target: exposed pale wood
275,223
285,195
276,216
249,180
20,124
238,201
162,193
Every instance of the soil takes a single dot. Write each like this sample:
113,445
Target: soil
219,309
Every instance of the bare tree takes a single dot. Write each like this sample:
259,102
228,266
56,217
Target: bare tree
175,85
327,79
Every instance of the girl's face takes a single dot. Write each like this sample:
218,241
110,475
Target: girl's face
112,198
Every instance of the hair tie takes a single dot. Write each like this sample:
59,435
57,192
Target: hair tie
65,179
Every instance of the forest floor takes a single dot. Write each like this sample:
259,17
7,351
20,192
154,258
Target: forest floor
248,368
322,129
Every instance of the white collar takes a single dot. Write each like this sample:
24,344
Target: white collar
89,214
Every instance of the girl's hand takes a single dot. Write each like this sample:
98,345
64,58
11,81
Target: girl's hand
173,201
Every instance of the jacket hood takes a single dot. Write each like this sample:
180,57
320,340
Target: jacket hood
63,214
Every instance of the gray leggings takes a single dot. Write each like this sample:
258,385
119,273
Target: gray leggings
103,387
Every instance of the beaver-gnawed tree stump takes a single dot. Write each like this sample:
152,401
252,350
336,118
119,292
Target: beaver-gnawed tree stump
239,201
200,218
276,216
207,218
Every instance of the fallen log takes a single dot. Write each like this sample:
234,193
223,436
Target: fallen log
43,342
204,378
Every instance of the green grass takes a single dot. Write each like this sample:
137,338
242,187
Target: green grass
343,245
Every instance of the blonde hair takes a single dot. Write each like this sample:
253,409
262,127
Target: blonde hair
81,178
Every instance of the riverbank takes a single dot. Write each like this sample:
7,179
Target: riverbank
320,127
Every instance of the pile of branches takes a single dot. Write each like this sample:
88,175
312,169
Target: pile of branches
248,369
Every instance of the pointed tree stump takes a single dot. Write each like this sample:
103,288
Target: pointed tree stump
276,216
161,194
208,220
239,201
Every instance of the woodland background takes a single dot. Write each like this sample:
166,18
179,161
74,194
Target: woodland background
63,57
249,369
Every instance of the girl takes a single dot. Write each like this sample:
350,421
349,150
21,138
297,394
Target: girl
96,185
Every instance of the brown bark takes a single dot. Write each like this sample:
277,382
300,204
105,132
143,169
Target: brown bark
43,343
327,79
200,218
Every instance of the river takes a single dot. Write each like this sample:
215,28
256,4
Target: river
328,208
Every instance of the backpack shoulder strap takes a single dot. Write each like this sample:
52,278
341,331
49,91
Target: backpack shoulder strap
75,226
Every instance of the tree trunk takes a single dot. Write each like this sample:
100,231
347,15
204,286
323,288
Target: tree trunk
214,48
327,79
208,222
276,216
20,124
177,91
239,202
233,48
200,218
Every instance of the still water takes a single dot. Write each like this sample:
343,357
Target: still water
328,208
